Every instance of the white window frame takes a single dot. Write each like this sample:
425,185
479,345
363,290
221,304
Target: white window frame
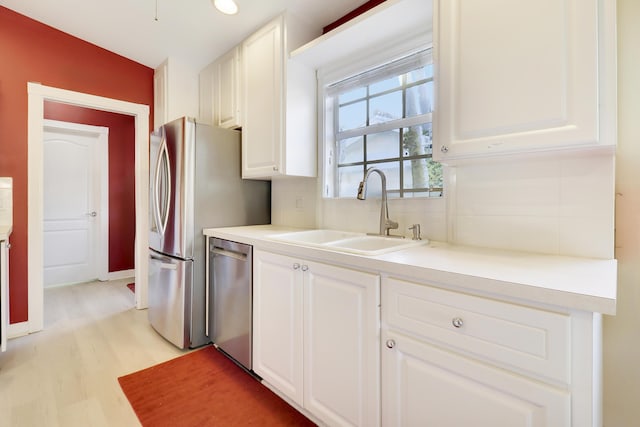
337,72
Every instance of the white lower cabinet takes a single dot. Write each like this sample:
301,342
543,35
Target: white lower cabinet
423,385
451,359
316,337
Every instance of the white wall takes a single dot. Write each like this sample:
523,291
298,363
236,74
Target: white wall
561,204
364,215
293,202
622,332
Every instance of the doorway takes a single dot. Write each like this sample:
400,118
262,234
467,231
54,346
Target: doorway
76,213
37,94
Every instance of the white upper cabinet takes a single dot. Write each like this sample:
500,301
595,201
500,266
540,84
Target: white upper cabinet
523,76
220,91
279,104
175,92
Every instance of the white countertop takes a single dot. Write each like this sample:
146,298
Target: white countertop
5,231
575,283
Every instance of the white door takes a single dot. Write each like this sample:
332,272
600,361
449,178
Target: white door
341,345
423,385
277,322
73,164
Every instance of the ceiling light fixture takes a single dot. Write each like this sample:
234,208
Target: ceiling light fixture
228,7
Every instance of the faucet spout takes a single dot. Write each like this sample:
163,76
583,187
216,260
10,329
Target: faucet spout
385,223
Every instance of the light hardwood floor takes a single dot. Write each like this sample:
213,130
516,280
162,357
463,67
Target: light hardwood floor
67,374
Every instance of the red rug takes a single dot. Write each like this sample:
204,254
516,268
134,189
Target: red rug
132,287
205,388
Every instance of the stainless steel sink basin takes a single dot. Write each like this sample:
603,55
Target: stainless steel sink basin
346,241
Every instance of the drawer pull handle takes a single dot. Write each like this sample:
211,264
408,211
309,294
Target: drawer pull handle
457,322
305,267
296,266
391,343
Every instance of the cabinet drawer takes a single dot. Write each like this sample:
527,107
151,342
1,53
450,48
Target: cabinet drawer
529,339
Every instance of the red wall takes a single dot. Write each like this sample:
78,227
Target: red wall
33,52
122,214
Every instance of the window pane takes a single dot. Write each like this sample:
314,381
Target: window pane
385,107
435,174
419,99
390,98
420,74
391,171
349,178
351,150
352,95
383,145
415,173
416,140
384,85
421,174
352,116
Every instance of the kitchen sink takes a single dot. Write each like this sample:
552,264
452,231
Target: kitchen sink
374,245
316,237
346,241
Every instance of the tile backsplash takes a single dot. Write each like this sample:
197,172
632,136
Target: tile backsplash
6,201
553,204
557,205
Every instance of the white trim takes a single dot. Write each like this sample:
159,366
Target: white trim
37,94
102,150
15,330
119,275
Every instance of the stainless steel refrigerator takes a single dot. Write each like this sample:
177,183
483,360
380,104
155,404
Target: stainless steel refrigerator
194,183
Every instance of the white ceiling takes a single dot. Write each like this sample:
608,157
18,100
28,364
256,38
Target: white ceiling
193,31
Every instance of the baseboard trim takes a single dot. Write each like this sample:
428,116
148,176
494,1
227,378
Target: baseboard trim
15,330
122,274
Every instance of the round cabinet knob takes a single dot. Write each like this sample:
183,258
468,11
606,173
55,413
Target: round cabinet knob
444,149
296,266
457,322
305,267
391,343
275,169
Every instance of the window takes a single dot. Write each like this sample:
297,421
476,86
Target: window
382,119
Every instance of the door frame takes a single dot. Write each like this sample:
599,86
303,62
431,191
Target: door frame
101,133
37,94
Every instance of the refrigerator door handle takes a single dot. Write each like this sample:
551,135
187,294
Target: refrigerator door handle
156,181
162,201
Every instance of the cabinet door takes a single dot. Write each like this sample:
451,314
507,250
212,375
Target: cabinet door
424,385
263,101
160,82
277,322
506,83
206,112
341,354
227,90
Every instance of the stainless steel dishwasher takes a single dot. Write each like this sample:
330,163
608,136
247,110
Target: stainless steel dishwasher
230,284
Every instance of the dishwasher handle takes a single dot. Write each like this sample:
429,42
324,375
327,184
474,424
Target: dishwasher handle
225,252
